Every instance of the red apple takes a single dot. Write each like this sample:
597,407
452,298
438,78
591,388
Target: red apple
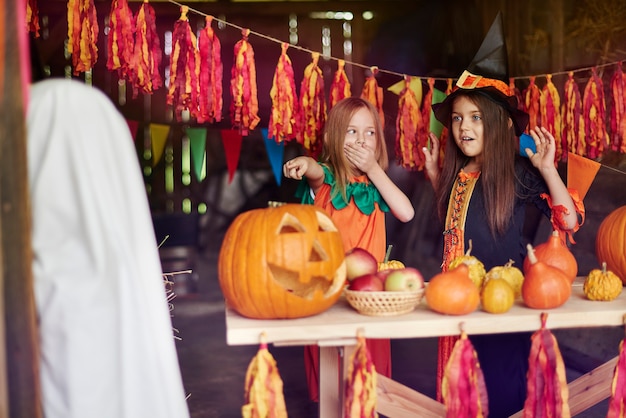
383,274
405,279
359,262
367,282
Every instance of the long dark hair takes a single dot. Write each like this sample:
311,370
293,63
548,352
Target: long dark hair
497,172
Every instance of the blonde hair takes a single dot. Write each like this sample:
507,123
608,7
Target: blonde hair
335,129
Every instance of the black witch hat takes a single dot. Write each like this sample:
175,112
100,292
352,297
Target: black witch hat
488,75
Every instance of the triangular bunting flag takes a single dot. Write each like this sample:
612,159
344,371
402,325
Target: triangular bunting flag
416,85
435,126
232,140
581,172
275,151
197,142
158,137
133,125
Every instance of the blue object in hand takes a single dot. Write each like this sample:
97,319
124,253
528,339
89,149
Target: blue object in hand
526,141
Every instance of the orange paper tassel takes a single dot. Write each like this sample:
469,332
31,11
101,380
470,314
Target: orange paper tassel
444,132
374,94
547,392
617,403
573,121
408,121
82,33
184,69
551,116
211,74
340,87
120,41
312,107
360,390
147,52
32,17
244,106
516,92
263,395
594,109
284,115
618,110
532,102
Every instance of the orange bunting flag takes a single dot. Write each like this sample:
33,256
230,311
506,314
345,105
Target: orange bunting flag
312,107
551,116
618,110
374,94
547,392
360,390
244,106
147,52
284,114
211,75
617,402
463,385
594,109
120,41
532,103
340,87
408,121
581,172
82,34
32,17
572,117
263,387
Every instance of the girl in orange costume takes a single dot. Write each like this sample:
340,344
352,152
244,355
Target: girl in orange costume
350,183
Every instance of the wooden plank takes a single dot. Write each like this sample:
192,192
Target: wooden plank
399,401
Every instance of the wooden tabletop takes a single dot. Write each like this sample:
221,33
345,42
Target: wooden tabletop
339,325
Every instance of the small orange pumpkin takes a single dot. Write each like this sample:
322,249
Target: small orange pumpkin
611,242
555,253
452,292
282,262
545,286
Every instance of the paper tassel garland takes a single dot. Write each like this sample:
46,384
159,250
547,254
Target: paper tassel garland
312,107
532,103
147,52
424,127
617,402
32,17
573,121
120,42
618,118
184,69
594,109
340,87
284,114
211,75
463,386
551,116
408,120
360,391
547,392
82,34
263,387
374,94
244,107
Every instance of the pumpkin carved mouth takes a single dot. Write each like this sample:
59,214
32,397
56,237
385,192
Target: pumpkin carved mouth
290,281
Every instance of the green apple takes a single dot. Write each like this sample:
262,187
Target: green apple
408,279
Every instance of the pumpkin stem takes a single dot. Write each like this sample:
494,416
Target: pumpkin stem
509,263
531,254
388,253
604,267
469,249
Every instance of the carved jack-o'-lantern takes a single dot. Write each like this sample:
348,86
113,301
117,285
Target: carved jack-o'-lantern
282,262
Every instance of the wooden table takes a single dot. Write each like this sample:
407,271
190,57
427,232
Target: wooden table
335,332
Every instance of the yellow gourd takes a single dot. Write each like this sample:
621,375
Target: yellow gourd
388,264
476,267
511,274
602,285
497,296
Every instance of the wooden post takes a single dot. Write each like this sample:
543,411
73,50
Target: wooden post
19,365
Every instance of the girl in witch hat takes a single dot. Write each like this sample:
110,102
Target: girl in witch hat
482,191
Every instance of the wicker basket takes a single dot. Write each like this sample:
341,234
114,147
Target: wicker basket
384,303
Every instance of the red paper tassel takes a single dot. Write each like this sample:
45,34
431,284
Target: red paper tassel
374,94
532,102
147,54
211,74
516,92
573,121
32,17
360,387
120,41
340,87
407,132
424,127
244,106
82,33
284,115
594,109
551,116
617,403
312,107
444,132
618,118
184,69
